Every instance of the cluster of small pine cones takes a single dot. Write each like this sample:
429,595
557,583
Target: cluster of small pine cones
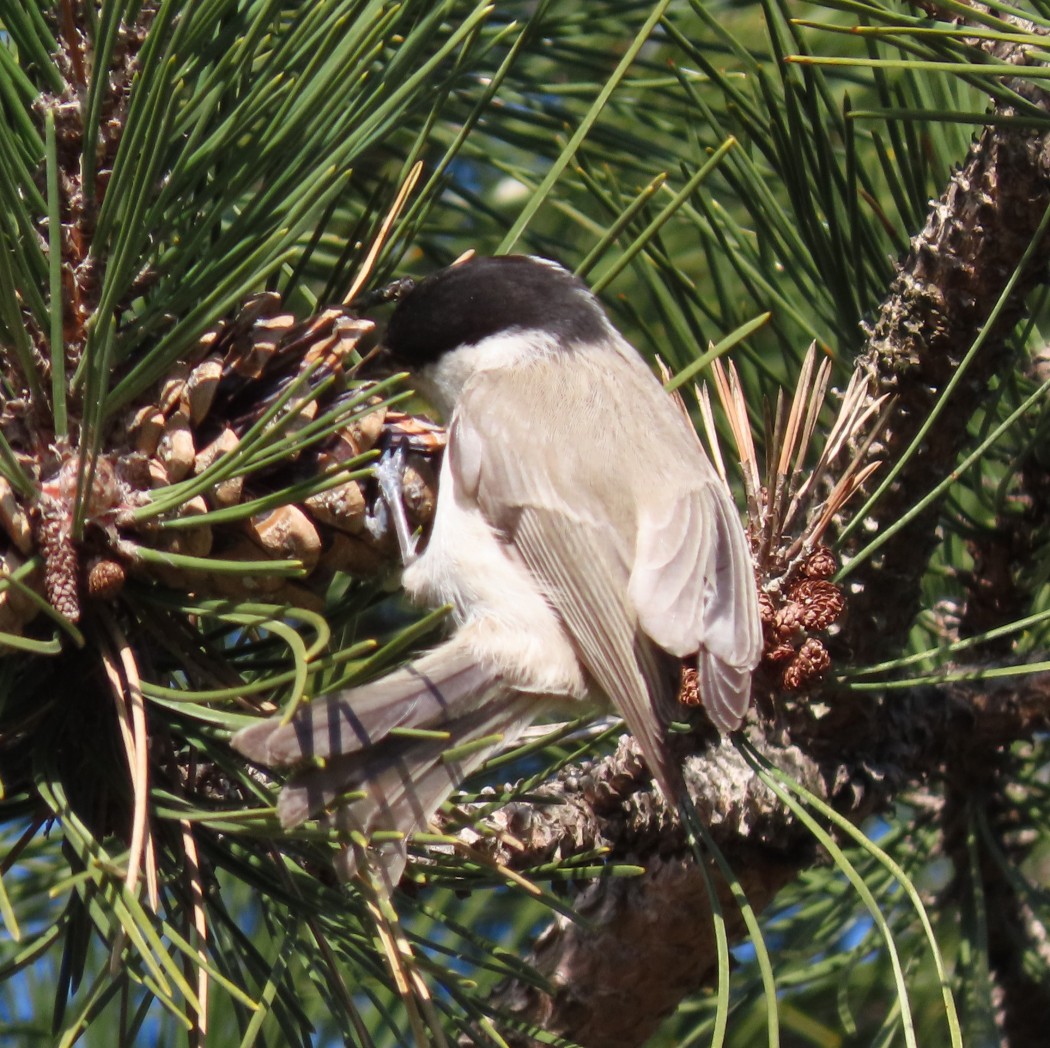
793,611
808,603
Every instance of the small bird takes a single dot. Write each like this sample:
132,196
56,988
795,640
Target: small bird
581,536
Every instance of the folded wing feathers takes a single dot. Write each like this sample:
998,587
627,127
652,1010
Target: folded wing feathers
670,575
732,629
725,690
593,603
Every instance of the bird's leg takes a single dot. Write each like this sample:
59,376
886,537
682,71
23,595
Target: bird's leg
390,507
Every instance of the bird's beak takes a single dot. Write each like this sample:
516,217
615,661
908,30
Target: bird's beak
378,363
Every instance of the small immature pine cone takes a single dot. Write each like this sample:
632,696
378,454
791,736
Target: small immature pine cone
820,564
788,620
779,652
688,689
105,579
60,563
812,660
820,603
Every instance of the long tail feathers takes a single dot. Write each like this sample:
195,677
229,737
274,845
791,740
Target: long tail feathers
404,784
402,780
424,694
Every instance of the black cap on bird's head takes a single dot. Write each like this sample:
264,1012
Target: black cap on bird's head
485,296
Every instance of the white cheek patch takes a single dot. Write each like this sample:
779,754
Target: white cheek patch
442,382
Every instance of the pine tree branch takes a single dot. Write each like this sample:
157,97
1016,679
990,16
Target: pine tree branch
985,839
944,294
648,941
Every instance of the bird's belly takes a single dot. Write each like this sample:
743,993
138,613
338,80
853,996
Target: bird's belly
496,602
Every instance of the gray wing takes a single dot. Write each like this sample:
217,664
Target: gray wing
615,523
586,581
